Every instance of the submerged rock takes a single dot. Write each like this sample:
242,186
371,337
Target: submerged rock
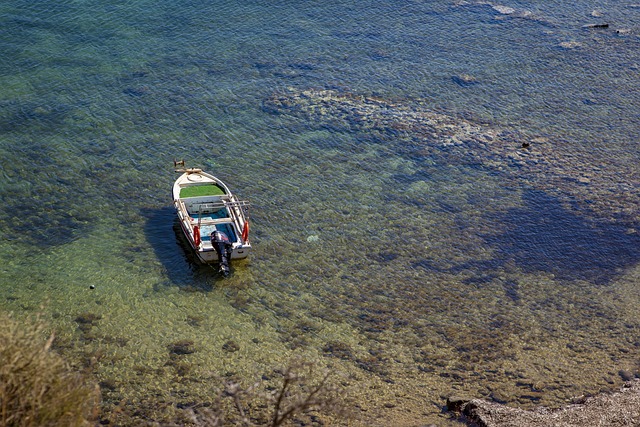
505,10
620,409
624,31
557,167
595,26
182,347
570,44
464,80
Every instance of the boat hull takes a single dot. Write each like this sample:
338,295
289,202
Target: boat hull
204,205
210,256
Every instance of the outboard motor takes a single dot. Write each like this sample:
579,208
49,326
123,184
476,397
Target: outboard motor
223,248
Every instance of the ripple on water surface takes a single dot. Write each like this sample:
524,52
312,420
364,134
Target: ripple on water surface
402,234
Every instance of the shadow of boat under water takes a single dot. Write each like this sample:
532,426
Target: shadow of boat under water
162,231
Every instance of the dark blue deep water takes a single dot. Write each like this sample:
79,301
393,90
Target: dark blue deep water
415,267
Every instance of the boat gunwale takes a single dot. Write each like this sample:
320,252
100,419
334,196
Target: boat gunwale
238,214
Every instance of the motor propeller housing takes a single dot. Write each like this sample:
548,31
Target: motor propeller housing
223,248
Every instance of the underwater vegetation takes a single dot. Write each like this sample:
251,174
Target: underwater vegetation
542,235
297,401
457,214
39,388
414,131
48,212
301,396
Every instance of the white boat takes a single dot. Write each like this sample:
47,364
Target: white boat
214,221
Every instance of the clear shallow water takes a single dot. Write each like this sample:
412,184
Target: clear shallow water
432,274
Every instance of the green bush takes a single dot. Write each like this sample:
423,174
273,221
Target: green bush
37,387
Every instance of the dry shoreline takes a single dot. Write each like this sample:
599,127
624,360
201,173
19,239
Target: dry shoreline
618,409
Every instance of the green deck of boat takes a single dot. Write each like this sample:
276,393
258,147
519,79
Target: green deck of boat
201,190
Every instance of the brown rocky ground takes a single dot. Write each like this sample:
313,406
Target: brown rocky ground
619,409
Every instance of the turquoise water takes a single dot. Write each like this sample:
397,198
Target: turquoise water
414,269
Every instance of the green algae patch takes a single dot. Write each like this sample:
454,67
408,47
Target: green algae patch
202,190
